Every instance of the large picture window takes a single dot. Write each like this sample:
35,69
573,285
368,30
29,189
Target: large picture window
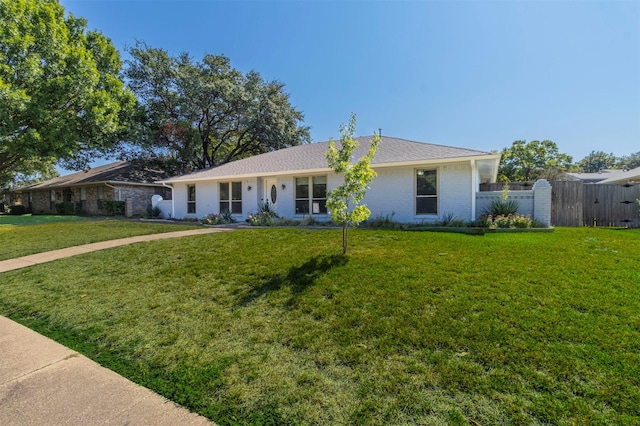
191,199
426,191
231,197
311,195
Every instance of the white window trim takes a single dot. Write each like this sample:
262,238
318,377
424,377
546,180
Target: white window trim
310,198
195,199
415,192
231,200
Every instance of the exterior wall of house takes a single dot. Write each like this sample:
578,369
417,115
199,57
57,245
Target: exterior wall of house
138,195
208,198
392,193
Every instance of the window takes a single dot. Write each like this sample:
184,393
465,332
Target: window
100,195
191,199
314,201
52,202
231,202
426,191
83,197
67,195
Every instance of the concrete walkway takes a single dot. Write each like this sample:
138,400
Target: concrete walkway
34,259
45,383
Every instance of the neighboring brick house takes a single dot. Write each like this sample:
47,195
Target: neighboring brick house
123,181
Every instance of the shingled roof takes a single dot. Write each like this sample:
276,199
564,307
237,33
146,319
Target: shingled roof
609,176
118,172
310,157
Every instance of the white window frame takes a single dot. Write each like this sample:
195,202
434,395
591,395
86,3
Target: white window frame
231,202
191,201
417,196
314,206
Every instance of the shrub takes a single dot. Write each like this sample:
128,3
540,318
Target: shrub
262,219
504,206
449,219
154,212
218,219
112,208
383,222
68,208
509,221
17,210
266,216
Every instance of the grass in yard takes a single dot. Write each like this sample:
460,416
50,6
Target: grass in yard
42,236
8,221
271,326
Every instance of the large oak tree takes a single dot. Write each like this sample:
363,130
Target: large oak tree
61,97
526,161
207,113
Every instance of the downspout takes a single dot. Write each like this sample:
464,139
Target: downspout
474,188
116,188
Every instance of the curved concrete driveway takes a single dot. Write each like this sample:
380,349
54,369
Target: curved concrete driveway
43,382
48,256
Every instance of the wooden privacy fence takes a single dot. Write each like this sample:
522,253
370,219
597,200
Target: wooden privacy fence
578,204
574,203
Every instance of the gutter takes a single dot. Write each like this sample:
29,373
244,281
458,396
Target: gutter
116,188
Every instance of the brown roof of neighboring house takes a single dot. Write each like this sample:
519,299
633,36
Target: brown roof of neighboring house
113,173
312,157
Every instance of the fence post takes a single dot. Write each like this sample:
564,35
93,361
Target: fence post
542,201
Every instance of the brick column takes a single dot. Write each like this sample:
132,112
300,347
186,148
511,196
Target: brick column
128,207
542,201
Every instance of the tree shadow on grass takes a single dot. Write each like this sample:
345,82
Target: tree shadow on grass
298,278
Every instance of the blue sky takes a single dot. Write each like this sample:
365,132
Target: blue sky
474,74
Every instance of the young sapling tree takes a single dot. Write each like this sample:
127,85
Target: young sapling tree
345,201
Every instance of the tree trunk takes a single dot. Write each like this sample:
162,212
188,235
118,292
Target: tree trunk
344,238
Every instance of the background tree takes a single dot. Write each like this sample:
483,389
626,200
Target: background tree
598,160
530,161
60,94
344,201
630,161
207,113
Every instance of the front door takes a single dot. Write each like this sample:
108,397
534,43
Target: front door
270,194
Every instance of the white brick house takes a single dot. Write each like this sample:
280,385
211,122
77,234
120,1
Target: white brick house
416,182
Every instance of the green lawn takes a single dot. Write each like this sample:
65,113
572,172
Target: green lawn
271,326
42,233
8,221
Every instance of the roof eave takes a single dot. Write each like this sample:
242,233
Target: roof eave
184,179
101,182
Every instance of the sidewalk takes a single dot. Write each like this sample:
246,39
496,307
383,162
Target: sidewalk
45,383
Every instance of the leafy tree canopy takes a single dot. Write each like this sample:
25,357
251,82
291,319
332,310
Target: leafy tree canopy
344,201
60,94
533,160
598,160
207,113
630,161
